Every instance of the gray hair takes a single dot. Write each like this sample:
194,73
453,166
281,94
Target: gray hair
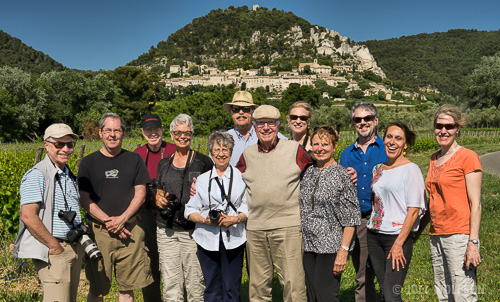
111,115
182,119
223,139
363,105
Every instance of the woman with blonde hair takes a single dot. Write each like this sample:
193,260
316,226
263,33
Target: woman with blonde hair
298,119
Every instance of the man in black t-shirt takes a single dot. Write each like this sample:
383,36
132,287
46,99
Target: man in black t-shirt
112,190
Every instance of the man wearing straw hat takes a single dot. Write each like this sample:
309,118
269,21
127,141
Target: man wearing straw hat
243,133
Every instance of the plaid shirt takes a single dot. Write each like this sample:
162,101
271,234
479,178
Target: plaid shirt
303,158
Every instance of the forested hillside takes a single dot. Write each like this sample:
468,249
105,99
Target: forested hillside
14,53
441,60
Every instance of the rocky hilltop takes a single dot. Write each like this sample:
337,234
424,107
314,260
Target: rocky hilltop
251,38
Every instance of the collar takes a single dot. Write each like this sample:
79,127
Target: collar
250,134
377,142
227,173
162,145
271,148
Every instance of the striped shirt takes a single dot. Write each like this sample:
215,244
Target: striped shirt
32,188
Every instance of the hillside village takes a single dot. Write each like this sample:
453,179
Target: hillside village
179,76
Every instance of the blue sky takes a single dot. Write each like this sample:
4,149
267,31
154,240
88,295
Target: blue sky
105,34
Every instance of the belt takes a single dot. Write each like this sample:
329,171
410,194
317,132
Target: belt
98,226
366,214
64,241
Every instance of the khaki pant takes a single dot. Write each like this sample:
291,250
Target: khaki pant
179,264
60,277
451,281
279,249
127,257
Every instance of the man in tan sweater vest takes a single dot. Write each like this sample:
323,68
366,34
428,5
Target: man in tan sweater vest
271,170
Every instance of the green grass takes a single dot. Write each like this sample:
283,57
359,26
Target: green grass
419,281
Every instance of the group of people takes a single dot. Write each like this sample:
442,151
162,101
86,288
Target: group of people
166,212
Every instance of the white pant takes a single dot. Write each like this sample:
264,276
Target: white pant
451,281
178,264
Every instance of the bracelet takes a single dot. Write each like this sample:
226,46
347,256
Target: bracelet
346,248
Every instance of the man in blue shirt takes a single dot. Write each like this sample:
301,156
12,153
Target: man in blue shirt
366,152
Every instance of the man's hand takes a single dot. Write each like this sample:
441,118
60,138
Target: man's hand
116,225
354,175
192,191
55,249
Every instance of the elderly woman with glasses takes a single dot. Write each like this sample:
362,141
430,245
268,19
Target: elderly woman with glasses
219,209
329,211
299,118
179,264
454,187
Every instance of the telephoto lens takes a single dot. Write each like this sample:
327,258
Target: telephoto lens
90,248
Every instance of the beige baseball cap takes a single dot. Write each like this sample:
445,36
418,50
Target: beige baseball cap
59,130
266,111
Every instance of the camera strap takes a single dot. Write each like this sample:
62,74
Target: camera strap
229,203
190,155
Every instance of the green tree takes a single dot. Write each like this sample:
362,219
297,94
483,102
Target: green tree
484,83
296,92
381,95
357,94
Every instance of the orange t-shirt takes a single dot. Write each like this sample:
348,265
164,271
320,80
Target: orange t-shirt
449,204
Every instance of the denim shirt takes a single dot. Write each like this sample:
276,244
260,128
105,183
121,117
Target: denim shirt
353,156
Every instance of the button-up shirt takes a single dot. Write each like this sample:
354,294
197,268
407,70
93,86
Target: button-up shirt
207,236
353,156
241,143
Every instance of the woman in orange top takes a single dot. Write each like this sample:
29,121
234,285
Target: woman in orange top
454,187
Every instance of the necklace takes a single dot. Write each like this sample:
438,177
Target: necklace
449,151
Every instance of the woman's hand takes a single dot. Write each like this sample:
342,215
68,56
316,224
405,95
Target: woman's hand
227,221
340,262
472,255
396,253
161,200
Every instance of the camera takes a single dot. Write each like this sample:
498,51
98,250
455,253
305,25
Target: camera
214,214
172,206
150,194
80,233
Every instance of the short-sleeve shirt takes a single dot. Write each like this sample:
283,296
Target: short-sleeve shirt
449,204
394,191
353,156
111,181
152,158
328,203
32,191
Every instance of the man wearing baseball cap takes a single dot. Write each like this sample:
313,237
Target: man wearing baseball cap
152,152
47,190
243,133
271,169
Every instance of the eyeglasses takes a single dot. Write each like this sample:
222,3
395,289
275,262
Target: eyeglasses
368,118
261,124
60,145
224,151
114,131
180,133
294,117
246,109
438,126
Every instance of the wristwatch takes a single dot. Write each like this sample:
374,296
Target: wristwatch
239,219
474,241
346,248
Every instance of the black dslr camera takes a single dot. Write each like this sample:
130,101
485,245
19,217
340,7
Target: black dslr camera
80,233
214,214
150,194
173,206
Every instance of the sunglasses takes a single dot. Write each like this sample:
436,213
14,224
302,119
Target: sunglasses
368,118
180,133
60,145
246,109
445,126
294,117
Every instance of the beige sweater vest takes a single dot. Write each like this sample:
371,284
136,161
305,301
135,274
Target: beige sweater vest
273,181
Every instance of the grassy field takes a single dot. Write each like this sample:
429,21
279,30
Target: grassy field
418,285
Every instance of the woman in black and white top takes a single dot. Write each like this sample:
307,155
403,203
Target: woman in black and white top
329,211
